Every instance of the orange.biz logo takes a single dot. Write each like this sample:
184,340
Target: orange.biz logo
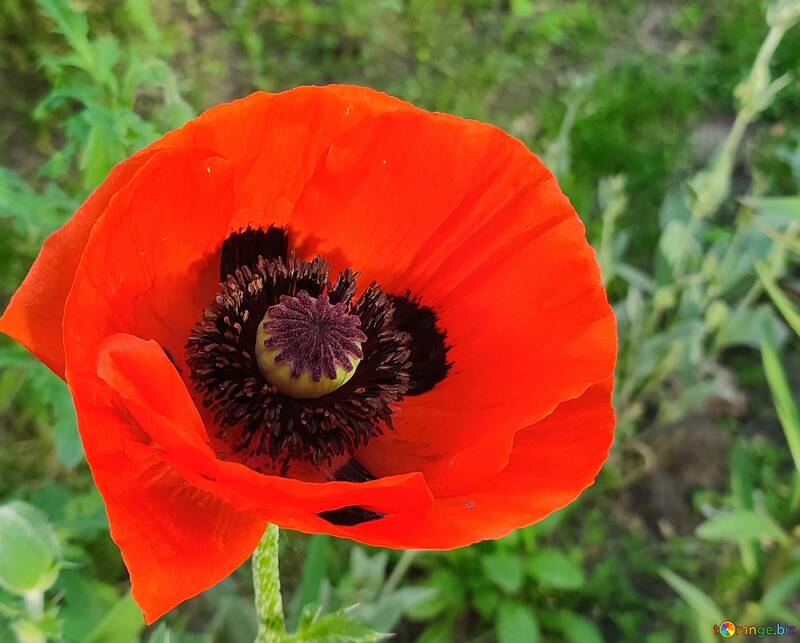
728,629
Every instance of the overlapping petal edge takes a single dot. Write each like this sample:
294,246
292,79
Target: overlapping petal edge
455,211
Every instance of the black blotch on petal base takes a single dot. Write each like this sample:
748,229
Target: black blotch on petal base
429,348
353,471
171,359
350,516
244,247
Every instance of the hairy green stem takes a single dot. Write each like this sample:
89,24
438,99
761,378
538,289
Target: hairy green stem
267,584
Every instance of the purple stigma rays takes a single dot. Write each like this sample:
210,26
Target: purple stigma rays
313,335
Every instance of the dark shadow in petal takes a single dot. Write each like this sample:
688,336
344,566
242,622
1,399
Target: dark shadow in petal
429,348
244,247
350,516
171,359
353,471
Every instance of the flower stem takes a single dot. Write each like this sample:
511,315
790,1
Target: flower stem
267,583
398,572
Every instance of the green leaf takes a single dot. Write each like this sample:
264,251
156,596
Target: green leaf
54,392
104,144
522,8
706,610
440,631
790,313
788,412
75,29
674,245
385,612
121,625
742,491
314,573
29,550
235,615
736,526
163,634
504,570
577,628
781,590
338,627
516,623
106,54
788,206
749,326
85,603
551,568
449,593
34,212
142,16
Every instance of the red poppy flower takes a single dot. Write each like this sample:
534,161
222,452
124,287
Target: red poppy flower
423,273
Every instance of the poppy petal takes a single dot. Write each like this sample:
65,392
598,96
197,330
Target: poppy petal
275,141
145,272
245,133
470,222
176,540
143,436
142,275
156,401
550,464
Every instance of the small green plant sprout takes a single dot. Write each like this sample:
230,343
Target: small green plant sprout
30,561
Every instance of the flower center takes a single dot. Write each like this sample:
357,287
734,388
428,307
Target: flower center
307,347
293,366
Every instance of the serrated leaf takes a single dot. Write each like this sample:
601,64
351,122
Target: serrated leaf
504,570
368,572
75,29
104,145
338,627
551,568
142,16
517,623
106,55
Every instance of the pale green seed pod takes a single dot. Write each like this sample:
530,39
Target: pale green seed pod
279,374
29,550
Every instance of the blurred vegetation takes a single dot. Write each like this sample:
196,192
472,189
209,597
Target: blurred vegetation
673,127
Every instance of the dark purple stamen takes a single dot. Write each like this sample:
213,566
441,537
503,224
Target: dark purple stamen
314,335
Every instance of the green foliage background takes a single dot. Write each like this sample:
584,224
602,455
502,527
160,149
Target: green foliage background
685,166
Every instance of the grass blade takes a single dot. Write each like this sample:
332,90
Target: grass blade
781,301
785,405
